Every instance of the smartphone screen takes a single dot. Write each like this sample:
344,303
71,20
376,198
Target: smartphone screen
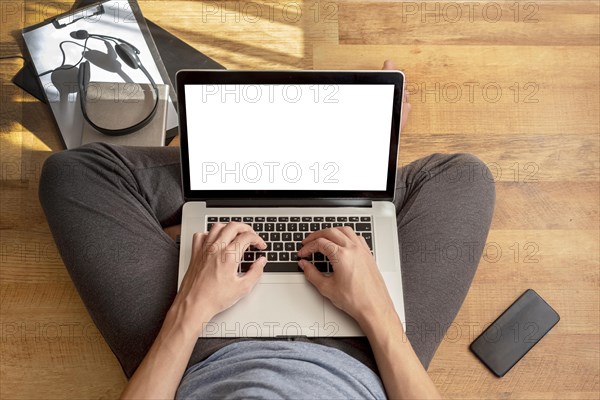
514,333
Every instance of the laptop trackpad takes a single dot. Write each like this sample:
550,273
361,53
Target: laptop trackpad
272,310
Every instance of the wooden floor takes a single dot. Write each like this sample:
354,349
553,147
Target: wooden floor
516,83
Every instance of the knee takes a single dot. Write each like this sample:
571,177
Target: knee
479,173
472,174
67,171
57,169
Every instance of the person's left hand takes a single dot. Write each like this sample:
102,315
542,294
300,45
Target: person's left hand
212,283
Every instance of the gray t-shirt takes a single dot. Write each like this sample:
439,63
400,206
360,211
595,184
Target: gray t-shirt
280,369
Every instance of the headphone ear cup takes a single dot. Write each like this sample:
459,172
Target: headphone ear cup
128,55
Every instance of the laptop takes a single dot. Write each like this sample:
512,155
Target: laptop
289,153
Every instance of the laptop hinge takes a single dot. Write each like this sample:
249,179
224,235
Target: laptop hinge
289,203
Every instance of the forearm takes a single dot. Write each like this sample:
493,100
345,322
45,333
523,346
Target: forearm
160,372
210,285
401,371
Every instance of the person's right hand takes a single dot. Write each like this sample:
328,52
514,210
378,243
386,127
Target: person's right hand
212,283
356,285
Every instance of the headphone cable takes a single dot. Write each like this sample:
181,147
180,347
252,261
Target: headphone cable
64,57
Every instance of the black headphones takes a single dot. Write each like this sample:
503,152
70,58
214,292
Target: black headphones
129,54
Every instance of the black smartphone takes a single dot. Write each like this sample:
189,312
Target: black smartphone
515,332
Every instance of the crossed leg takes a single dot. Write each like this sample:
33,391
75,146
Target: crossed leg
108,207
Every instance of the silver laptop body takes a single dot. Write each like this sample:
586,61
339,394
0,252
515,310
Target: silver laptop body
240,129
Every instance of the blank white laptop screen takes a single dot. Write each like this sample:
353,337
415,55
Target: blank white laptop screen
289,137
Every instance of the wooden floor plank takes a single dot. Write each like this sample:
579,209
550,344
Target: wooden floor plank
512,156
539,23
540,140
549,205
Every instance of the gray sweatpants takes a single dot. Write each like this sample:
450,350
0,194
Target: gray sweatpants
107,205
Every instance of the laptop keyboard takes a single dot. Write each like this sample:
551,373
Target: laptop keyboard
284,234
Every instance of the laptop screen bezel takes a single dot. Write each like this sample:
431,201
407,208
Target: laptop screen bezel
216,77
